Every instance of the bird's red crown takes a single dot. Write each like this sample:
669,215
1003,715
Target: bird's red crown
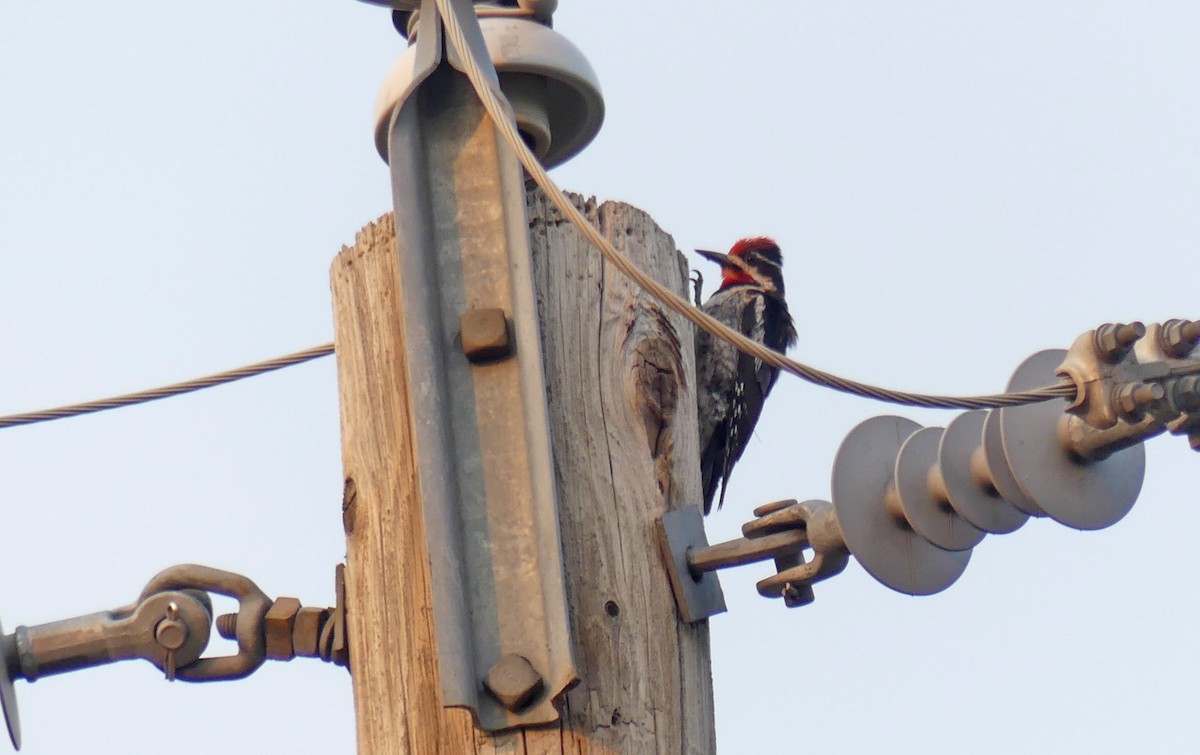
731,276
756,242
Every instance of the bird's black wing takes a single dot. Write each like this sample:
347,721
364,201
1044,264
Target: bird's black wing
754,381
764,319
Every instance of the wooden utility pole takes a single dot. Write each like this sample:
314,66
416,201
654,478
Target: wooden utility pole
620,381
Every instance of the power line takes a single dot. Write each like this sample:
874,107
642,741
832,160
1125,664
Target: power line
176,389
501,114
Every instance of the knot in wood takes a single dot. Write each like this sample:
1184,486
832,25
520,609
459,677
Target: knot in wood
655,375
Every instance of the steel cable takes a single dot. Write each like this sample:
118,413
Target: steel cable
176,389
501,114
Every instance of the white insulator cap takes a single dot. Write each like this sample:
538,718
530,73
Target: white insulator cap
553,90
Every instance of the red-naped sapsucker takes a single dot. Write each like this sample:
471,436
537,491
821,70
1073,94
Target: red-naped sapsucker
731,385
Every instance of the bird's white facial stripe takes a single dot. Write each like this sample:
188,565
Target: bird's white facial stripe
750,271
763,270
763,281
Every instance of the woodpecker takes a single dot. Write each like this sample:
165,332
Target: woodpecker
731,385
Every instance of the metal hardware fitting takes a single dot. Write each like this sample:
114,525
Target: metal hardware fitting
513,681
484,334
1133,382
480,430
910,503
822,530
781,533
253,604
1126,372
1177,343
697,594
290,629
169,626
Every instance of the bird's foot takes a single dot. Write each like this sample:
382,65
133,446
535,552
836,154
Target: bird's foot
697,284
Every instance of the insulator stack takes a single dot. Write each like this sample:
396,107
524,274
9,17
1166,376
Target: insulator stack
910,503
914,501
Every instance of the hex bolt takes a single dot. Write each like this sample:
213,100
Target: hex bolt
306,631
1178,337
279,624
1133,399
513,681
303,629
1113,341
1186,393
484,334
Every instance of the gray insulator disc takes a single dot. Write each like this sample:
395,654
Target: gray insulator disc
978,505
889,550
1084,495
1002,476
931,516
8,702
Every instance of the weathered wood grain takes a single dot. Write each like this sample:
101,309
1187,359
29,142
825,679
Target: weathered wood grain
621,387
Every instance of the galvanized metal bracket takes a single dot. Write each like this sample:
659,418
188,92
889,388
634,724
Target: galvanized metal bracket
781,532
1132,382
697,594
478,399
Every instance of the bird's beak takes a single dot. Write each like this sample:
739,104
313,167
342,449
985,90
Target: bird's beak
720,258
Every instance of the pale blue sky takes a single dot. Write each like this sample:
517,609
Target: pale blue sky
954,185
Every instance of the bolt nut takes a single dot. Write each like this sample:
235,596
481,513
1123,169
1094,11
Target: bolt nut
1133,399
1178,337
484,334
306,631
1185,394
513,681
279,622
1113,342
